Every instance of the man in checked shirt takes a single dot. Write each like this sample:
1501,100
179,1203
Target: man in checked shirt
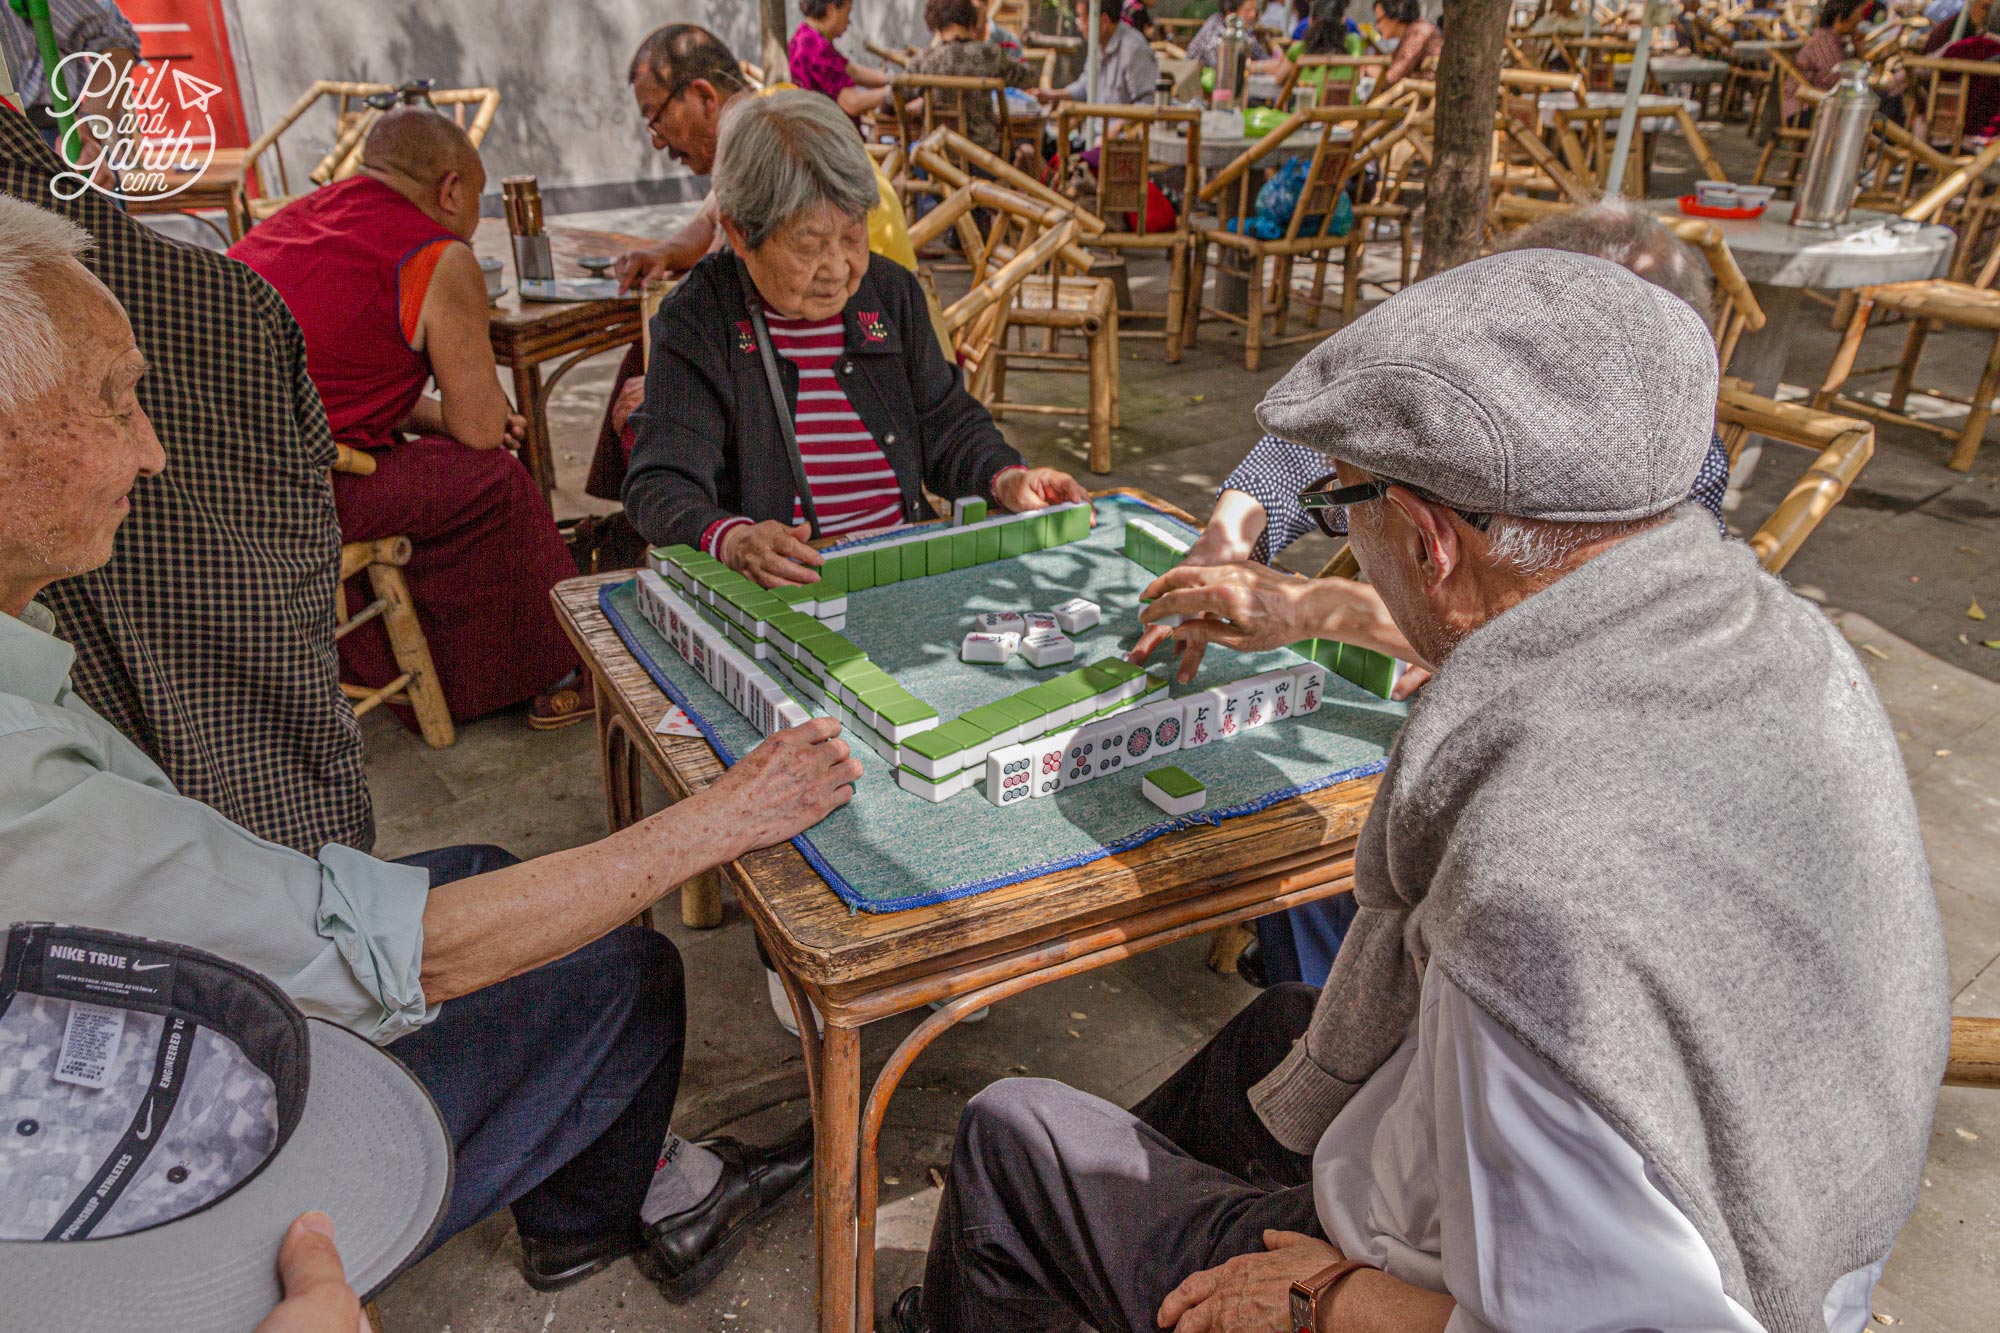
1257,515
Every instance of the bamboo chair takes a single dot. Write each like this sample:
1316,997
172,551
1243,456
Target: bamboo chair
943,103
1787,145
1519,155
1588,136
900,58
1933,304
1017,283
1332,92
1843,446
1349,138
416,687
1124,169
472,108
1043,56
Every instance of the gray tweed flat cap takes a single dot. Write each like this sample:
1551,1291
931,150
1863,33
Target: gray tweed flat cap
1537,383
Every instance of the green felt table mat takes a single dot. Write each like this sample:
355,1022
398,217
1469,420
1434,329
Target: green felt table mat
889,850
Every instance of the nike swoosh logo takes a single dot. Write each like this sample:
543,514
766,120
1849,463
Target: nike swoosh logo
149,967
146,1131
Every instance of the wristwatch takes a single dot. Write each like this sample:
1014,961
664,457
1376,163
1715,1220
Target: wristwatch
1307,1295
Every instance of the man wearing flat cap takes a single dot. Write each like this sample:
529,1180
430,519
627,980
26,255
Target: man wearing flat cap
1641,1019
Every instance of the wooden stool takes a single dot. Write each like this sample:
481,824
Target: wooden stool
416,687
1085,306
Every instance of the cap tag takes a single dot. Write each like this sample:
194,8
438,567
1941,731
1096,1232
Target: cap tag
110,972
89,1045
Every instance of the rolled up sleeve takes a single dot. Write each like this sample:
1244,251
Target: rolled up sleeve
341,933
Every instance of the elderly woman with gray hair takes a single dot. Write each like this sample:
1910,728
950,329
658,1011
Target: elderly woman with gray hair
797,388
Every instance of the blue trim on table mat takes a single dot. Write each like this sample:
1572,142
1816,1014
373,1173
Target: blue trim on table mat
839,883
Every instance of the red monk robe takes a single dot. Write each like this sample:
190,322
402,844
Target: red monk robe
352,261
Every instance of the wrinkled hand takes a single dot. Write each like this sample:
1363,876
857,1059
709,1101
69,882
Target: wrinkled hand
1414,677
1023,488
517,430
786,785
1211,548
630,395
1252,1293
1244,606
773,553
635,268
317,1297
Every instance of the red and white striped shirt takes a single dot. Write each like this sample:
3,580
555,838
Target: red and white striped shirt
853,486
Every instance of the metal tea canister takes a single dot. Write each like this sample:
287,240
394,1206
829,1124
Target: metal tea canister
1833,155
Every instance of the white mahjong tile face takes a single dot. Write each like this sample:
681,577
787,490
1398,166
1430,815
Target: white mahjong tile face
1111,749
1048,771
1079,760
1256,710
1281,698
1167,731
1139,740
1228,719
1199,728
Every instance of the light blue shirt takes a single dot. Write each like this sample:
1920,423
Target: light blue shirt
92,833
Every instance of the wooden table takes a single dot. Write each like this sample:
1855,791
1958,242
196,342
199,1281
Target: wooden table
528,333
859,967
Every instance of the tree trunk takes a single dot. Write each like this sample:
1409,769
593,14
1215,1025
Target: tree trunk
776,67
1468,96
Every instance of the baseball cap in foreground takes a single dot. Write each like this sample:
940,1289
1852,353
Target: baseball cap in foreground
165,1114
1536,383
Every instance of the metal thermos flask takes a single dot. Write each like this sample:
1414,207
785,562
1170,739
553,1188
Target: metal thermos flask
1833,154
1232,59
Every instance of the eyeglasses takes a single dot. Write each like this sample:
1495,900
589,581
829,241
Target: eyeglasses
653,121
1326,498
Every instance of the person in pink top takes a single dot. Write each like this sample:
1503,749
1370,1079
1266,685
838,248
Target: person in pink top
818,65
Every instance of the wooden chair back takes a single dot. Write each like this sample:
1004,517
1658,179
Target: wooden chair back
1331,91
1348,138
1942,89
1843,445
944,101
472,108
1043,58
1125,157
1740,312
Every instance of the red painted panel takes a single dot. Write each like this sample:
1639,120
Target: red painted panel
191,36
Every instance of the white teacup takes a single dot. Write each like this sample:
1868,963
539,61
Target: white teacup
494,272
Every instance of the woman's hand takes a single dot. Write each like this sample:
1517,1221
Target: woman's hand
1020,489
1252,1293
773,553
786,785
635,268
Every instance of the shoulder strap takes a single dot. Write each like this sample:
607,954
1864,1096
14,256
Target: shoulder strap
777,387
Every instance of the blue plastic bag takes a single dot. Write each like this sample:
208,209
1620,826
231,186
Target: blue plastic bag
1279,198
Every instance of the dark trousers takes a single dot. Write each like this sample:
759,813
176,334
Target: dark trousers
558,1085
1060,1206
1300,943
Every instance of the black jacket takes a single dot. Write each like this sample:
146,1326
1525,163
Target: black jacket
708,443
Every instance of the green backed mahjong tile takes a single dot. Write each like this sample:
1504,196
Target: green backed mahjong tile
860,572
937,554
1022,714
964,550
851,670
833,579
1074,524
945,740
831,648
671,555
1013,540
1372,671
988,545
867,679
916,559
792,594
888,565
973,510
1044,698
1074,688
792,624
989,718
1115,670
1042,530
904,710
762,605
1174,781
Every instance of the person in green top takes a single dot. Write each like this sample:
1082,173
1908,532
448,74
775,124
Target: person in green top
1328,32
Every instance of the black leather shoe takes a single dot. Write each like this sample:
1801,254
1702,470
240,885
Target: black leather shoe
551,1265
691,1247
907,1314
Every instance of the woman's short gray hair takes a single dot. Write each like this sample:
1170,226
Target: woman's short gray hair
32,242
786,154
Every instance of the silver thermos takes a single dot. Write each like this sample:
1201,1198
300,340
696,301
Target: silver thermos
1232,58
1833,155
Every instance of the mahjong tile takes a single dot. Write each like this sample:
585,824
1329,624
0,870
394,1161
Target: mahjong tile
1168,718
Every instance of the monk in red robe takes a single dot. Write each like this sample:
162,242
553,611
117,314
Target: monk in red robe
378,272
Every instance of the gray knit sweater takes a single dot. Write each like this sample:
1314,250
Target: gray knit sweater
1654,821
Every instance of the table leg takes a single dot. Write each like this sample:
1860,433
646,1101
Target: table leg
837,1147
531,401
620,759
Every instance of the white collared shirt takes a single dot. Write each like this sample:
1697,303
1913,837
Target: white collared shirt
1467,1165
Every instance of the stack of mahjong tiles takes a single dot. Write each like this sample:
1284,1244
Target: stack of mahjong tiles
1374,672
1158,726
938,548
1152,547
704,640
741,608
944,761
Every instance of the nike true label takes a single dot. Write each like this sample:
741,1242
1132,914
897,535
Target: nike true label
89,1045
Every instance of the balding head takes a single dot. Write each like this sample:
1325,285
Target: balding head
424,156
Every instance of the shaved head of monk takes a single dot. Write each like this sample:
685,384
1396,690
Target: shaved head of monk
424,156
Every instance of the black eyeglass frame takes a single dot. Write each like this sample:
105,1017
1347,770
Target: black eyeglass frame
1327,494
